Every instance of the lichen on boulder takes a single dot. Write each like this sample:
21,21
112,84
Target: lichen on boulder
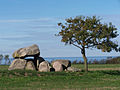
27,51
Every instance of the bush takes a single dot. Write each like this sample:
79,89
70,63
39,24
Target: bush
102,61
80,62
74,62
90,62
113,61
95,62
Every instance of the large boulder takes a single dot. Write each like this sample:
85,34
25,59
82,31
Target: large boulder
27,51
18,64
44,67
30,66
58,66
65,63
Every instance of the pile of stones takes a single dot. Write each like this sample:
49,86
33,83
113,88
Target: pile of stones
22,60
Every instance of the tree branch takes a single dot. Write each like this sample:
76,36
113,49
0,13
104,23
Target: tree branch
76,45
93,45
89,46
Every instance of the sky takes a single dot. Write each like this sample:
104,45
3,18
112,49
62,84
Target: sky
27,22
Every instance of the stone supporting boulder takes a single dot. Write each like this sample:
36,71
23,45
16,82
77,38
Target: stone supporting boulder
30,65
58,66
44,67
39,60
18,64
65,63
27,51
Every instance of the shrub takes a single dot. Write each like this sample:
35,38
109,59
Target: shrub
95,62
90,62
113,61
74,62
102,61
80,62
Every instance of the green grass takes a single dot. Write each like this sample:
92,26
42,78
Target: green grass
4,67
98,66
29,80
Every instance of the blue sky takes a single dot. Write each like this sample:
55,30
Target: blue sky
27,22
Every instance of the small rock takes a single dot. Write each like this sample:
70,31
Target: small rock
18,64
72,69
44,67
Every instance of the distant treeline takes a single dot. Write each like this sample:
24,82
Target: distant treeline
107,61
6,58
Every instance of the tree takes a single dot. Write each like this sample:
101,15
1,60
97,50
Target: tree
6,57
88,32
1,57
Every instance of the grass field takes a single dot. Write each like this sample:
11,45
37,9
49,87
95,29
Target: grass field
93,80
94,67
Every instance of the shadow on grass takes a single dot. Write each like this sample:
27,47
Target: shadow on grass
112,72
107,72
30,73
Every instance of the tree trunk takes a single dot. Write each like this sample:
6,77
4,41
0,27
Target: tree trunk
85,59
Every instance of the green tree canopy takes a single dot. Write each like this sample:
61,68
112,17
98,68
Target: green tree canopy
88,32
6,57
1,57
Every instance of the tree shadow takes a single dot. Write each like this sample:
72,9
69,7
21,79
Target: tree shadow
111,72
